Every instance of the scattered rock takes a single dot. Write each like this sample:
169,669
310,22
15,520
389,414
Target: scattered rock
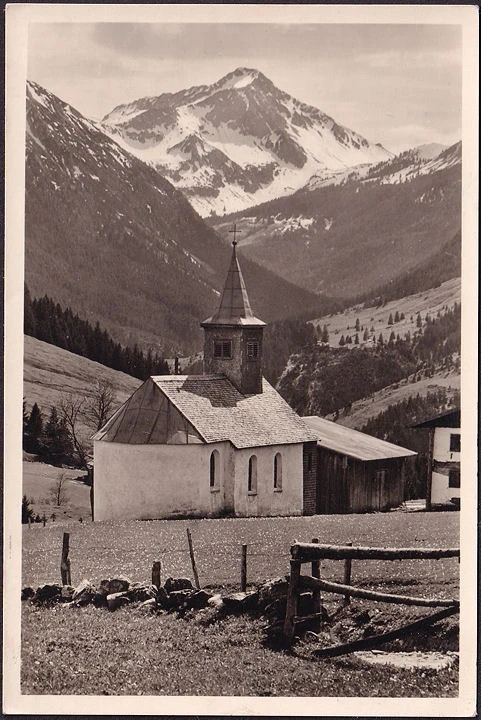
199,600
241,602
83,593
99,600
178,599
140,592
67,593
148,605
114,585
27,593
116,600
272,591
175,584
48,593
216,601
162,598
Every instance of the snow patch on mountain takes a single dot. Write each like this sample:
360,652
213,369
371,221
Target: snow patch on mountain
238,142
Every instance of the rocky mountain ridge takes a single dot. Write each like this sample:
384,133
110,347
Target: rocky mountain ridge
238,142
109,237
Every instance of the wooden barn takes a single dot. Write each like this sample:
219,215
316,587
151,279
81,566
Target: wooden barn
356,472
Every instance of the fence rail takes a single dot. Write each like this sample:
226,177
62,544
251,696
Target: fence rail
314,552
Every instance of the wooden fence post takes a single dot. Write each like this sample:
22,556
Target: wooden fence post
291,604
156,574
347,576
244,569
65,562
316,595
192,560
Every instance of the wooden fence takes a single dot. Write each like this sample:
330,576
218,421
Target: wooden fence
314,552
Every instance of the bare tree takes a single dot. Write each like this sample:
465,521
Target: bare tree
99,408
71,408
58,491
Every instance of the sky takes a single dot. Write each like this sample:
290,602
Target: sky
399,85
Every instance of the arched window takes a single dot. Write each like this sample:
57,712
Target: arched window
278,472
252,480
214,470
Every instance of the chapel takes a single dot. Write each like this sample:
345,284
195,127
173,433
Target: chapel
221,443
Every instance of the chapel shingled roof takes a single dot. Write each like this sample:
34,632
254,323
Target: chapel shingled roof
215,410
353,443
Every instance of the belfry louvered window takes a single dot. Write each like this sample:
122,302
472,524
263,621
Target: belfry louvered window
222,348
252,349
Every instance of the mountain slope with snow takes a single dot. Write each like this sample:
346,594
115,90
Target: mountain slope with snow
109,237
238,142
352,237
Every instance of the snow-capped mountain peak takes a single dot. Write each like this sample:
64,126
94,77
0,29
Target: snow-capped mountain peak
256,141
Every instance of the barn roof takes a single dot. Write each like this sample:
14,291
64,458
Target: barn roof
204,408
351,442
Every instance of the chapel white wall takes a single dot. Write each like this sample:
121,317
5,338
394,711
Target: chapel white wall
267,501
159,481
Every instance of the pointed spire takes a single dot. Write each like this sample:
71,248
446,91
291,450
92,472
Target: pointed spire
234,307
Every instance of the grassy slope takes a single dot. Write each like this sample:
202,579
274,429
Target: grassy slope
426,302
38,479
90,651
50,373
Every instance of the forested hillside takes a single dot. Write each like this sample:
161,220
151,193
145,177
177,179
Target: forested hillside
323,379
46,320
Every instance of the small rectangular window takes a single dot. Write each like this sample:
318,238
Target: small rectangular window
252,349
455,442
454,478
223,348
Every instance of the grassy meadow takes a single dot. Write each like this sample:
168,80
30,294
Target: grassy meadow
92,651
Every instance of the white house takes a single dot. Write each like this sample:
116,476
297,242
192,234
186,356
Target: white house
224,442
444,472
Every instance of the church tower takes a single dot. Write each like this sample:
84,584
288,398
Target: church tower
233,335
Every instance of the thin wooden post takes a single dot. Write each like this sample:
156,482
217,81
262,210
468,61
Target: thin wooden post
244,569
347,576
316,595
65,562
292,600
156,574
192,559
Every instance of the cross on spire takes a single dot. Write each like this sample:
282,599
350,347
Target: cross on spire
235,231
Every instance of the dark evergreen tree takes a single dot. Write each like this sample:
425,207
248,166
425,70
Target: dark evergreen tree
390,321
56,444
397,317
325,334
357,326
27,511
342,341
33,430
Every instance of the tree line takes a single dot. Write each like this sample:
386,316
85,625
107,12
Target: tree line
48,321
